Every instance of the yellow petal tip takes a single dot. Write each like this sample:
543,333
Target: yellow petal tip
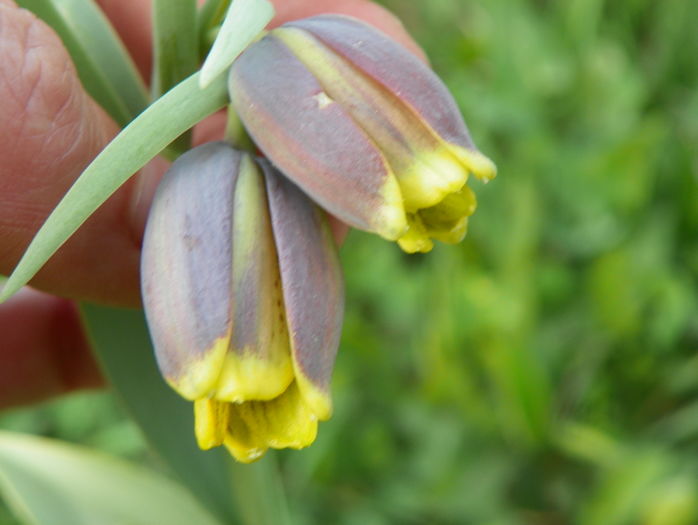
242,453
319,402
210,422
480,165
201,376
416,240
390,221
245,376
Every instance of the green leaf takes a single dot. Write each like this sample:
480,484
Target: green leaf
166,119
175,43
243,23
209,16
48,482
249,494
102,62
120,339
175,50
617,498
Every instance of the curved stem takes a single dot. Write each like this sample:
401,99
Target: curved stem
236,134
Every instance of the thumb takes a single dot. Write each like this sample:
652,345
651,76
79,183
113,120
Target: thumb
51,129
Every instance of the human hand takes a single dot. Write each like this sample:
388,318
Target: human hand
50,130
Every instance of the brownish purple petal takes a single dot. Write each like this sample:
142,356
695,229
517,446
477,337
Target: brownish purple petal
186,267
391,65
313,140
312,284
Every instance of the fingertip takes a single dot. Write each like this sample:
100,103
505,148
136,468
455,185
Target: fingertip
371,13
44,350
51,130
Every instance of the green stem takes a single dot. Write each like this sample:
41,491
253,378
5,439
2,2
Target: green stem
236,134
259,492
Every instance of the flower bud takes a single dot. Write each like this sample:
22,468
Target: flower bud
362,126
244,299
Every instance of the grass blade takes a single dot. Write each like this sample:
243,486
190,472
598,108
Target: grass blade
48,482
121,341
209,16
244,21
175,43
103,64
166,119
236,493
175,50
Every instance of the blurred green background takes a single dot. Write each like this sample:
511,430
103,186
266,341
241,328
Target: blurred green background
544,371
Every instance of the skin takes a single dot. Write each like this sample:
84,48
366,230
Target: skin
51,129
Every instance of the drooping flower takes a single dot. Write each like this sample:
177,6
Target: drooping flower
244,300
362,126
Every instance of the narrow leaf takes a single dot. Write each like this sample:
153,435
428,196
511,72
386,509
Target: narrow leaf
102,62
175,50
244,21
140,141
47,482
174,43
122,344
244,494
208,17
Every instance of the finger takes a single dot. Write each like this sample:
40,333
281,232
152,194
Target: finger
50,131
44,352
376,15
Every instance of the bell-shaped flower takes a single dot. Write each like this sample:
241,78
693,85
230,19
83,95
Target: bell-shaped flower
243,295
362,126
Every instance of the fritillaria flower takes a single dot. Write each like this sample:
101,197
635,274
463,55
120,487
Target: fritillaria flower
241,281
244,299
362,126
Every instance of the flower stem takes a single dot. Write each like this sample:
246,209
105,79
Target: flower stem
236,134
259,493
